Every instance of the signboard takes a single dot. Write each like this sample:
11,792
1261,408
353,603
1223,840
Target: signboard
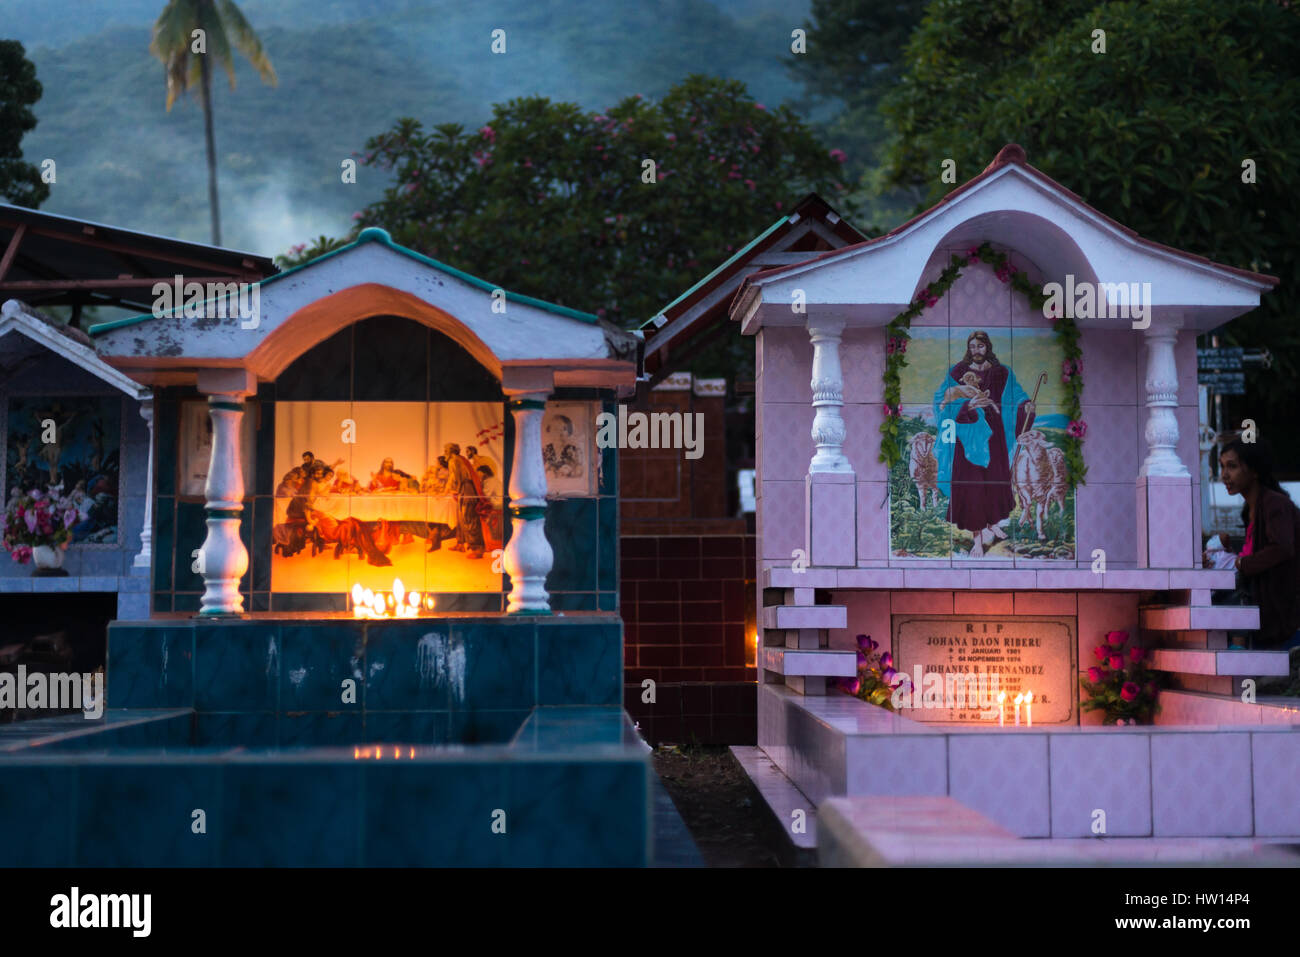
1224,383
1227,359
978,656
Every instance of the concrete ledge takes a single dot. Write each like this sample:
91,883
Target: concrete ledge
1201,618
783,617
1213,662
814,662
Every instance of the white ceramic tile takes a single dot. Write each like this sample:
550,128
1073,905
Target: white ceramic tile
1201,784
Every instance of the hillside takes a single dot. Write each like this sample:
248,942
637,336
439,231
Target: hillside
348,69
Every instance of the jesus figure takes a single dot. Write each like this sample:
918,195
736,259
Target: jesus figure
975,470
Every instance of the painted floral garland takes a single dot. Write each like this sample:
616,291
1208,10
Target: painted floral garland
1067,336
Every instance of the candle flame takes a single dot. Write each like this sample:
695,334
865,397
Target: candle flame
398,603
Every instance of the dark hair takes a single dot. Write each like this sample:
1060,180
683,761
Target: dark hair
471,450
308,455
1257,457
486,470
983,337
442,460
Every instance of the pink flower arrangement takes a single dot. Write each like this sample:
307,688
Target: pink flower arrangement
1005,271
895,344
1125,694
1078,428
488,133
927,298
35,519
839,155
892,411
973,255
876,678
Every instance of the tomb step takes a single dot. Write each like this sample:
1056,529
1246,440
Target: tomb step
942,832
811,662
1200,618
1202,708
1215,662
784,800
805,616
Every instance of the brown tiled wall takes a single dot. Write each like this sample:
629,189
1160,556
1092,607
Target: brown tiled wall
687,603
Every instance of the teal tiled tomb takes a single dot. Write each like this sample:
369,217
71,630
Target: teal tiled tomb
379,623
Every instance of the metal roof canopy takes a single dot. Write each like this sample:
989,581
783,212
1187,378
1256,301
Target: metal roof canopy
51,260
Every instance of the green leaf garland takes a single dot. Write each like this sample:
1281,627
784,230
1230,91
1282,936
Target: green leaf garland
1067,336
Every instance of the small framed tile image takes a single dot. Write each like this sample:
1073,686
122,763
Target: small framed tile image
567,440
195,447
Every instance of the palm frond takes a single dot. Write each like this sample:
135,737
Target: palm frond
246,40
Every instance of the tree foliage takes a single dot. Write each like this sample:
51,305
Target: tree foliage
20,181
1153,132
551,201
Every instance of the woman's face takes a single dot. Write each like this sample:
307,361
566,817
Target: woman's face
1238,477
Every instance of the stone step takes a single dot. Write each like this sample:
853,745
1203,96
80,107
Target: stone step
790,617
783,799
1214,662
811,662
942,832
1200,618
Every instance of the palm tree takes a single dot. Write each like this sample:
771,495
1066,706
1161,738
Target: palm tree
174,43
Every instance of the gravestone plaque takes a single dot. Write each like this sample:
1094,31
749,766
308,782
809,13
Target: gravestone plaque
977,656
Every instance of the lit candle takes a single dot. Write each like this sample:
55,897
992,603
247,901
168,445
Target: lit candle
1019,698
1029,708
1002,709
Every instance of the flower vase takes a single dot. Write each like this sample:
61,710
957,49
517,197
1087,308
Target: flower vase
48,561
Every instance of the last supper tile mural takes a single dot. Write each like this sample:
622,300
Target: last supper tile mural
370,492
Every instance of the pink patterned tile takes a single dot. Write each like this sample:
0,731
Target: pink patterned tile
1170,526
1106,770
896,765
921,603
831,510
862,359
1276,778
1045,603
787,446
781,519
1106,518
1201,784
1002,578
868,614
861,439
982,603
978,300
873,521
785,357
1110,371
1003,776
936,578
1111,449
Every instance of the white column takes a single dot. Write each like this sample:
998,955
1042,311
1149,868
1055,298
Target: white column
224,560
828,397
528,556
145,558
1162,402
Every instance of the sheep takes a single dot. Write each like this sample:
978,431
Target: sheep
1060,478
923,467
1032,474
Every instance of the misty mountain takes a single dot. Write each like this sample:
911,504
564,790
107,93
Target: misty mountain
347,69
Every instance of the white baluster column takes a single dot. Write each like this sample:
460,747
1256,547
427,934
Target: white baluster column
1166,502
224,559
145,558
828,397
528,556
1162,402
831,486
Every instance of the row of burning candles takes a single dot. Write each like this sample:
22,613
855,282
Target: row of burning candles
1026,698
398,603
